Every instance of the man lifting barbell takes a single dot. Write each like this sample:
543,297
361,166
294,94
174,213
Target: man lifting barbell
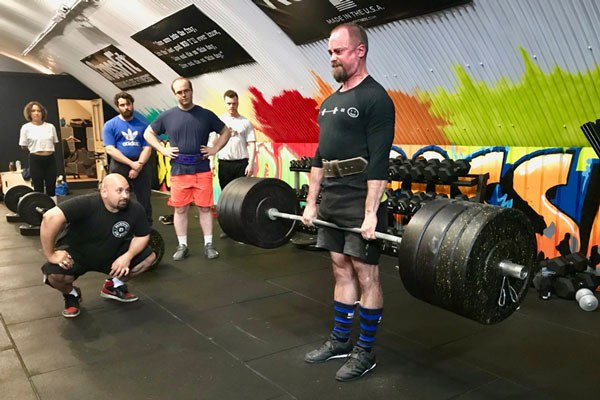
471,254
103,232
356,122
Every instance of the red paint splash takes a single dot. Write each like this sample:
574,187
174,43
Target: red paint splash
289,118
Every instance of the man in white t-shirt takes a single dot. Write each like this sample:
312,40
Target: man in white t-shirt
236,158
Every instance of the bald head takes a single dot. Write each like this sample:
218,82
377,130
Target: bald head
111,180
114,191
356,33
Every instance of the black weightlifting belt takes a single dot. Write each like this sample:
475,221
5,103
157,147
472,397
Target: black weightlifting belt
339,168
189,159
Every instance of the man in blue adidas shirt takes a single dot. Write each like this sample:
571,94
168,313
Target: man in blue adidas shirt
123,138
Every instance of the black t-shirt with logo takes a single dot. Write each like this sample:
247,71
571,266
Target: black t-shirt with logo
93,234
356,123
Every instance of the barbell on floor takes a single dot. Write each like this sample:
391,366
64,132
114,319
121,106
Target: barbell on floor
31,207
469,258
14,194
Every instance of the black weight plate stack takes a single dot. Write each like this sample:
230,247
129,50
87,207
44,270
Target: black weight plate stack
243,206
497,234
409,246
428,250
450,255
13,195
451,290
32,207
227,215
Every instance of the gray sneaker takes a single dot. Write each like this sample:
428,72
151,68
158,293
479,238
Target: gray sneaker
210,251
332,348
357,364
180,253
223,235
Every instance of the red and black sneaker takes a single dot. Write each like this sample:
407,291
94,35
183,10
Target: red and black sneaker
120,293
72,304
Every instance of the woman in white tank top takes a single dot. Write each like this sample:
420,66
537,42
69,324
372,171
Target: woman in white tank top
39,137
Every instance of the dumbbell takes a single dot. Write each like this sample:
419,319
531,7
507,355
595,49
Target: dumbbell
431,170
446,171
11,200
558,265
392,203
303,192
566,286
588,280
417,170
416,202
404,170
305,162
394,170
403,203
586,299
450,170
577,262
462,167
542,281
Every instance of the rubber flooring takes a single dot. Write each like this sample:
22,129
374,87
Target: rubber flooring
237,327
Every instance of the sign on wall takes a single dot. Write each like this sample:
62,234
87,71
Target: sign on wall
305,21
192,44
119,68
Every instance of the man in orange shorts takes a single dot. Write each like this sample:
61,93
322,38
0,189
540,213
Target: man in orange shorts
188,127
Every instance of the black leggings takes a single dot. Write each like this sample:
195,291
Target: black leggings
43,173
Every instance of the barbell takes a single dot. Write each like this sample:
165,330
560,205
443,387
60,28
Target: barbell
468,258
31,207
14,194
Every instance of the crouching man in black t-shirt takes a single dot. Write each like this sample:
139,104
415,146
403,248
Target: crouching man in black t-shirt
103,232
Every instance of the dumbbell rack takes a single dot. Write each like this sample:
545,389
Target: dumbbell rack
397,220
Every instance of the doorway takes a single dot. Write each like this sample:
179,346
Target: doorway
81,123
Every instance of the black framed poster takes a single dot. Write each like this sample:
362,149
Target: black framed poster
192,44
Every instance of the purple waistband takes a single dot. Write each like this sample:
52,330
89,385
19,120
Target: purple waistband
189,159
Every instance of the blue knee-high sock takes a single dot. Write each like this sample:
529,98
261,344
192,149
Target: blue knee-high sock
369,321
343,316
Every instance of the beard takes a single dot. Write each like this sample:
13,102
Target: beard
127,114
122,204
339,73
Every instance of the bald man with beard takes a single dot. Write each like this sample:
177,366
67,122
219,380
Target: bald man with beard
105,232
356,133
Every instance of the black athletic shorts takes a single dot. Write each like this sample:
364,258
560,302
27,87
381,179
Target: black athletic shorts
79,266
353,244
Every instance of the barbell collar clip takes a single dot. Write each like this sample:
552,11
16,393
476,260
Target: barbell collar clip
513,270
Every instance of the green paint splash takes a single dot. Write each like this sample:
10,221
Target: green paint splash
543,109
152,113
